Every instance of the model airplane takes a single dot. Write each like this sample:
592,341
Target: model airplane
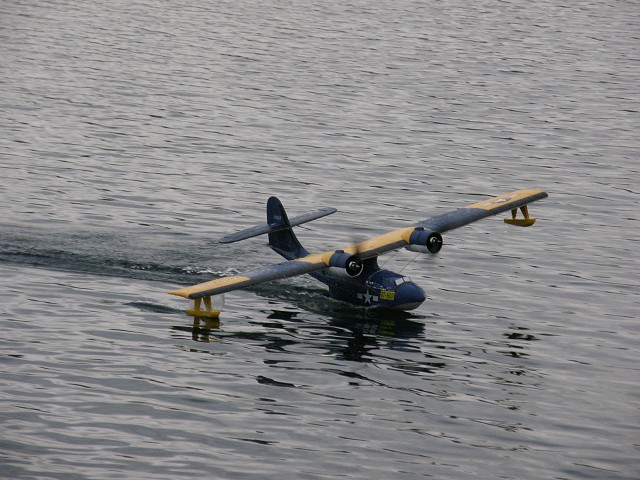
352,273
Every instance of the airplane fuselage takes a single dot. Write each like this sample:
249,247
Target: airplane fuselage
374,288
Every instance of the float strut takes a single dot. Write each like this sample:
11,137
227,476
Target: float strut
527,221
208,311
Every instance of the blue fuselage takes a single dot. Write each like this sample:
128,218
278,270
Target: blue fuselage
374,287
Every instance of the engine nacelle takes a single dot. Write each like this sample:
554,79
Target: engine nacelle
422,239
352,264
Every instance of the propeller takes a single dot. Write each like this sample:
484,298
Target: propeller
434,242
352,263
357,264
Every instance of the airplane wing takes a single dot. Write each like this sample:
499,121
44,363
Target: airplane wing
226,284
457,218
485,208
373,247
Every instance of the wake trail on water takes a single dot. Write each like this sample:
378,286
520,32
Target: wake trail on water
180,261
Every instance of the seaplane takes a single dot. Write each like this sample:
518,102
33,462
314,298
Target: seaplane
352,273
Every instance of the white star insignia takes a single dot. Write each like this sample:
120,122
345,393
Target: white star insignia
367,297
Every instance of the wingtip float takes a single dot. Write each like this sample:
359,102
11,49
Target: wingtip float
352,273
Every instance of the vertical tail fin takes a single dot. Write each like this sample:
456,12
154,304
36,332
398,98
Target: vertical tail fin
283,241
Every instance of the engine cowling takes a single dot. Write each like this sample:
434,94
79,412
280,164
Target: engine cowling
425,239
352,264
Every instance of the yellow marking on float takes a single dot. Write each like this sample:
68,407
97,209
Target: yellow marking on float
527,221
208,312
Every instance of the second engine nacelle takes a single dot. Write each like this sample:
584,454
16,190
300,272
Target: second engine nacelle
352,264
422,239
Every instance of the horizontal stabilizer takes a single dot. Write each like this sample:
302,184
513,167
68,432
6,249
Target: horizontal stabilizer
266,228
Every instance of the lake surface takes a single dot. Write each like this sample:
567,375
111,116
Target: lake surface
134,134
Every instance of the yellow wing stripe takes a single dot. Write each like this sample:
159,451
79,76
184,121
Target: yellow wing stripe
380,242
202,287
496,202
314,258
372,247
400,237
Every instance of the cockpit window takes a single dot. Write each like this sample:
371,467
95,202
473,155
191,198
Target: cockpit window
400,281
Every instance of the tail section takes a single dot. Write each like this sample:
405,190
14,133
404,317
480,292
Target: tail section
281,237
279,227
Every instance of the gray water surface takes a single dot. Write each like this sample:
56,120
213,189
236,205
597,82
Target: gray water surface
133,134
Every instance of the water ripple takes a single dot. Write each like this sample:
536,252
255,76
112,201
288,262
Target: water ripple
135,135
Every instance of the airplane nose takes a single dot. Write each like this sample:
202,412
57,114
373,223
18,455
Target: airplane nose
409,296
